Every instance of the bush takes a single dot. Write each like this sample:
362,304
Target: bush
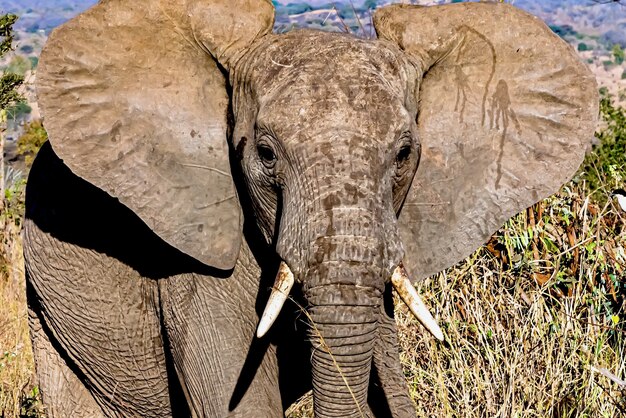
27,49
618,54
297,8
563,30
34,62
33,138
19,65
605,167
18,110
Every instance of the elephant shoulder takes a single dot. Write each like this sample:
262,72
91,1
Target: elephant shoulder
72,214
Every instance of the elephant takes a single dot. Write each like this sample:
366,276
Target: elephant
220,217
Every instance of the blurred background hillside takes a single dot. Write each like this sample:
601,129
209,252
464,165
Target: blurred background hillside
535,320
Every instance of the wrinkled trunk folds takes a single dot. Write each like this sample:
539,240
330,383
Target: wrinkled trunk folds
343,335
344,292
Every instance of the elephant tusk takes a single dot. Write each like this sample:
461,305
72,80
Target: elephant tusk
280,292
407,292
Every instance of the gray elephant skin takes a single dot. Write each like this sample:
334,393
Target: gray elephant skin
193,154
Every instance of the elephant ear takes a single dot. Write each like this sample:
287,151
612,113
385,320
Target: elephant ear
506,112
135,102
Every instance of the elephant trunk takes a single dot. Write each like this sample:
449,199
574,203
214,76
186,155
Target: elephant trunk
343,336
344,300
342,245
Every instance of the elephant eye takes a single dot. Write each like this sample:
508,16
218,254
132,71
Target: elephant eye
403,155
267,155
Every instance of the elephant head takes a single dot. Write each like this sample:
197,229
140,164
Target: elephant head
158,102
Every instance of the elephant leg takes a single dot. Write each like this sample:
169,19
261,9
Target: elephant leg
256,393
210,323
104,319
70,396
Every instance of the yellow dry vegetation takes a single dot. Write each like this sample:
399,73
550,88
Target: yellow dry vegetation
18,391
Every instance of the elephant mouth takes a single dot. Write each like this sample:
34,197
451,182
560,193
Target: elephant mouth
399,279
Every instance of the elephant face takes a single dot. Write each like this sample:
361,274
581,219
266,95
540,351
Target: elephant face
157,103
329,135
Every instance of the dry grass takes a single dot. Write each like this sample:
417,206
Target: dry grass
18,393
517,347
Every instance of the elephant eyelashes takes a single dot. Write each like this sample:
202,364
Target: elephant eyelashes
267,155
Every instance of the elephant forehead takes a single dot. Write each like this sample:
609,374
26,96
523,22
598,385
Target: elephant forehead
363,110
311,58
315,81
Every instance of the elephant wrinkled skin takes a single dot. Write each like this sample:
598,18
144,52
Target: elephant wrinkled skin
193,152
